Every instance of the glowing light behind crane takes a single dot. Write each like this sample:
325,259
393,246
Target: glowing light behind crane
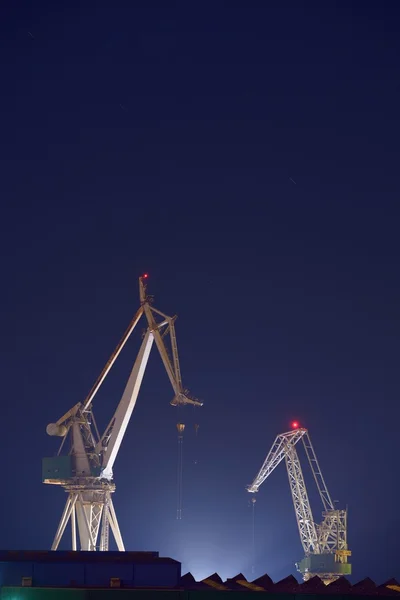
205,558
295,425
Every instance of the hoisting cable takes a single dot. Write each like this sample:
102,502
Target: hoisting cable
253,500
180,427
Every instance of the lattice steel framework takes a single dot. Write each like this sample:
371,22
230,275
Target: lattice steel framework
328,537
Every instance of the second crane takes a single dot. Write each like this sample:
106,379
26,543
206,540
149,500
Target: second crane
325,544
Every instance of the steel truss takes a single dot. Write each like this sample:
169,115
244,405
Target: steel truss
94,511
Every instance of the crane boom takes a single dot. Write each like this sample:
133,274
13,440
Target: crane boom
275,456
112,438
301,503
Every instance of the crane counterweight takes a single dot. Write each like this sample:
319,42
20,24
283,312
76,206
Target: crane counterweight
56,430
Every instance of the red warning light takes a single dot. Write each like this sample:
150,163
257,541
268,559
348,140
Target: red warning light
295,425
145,276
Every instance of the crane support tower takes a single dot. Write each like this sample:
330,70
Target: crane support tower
85,471
324,544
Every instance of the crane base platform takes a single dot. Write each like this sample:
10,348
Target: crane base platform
325,566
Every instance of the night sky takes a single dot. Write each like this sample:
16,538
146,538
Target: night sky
246,155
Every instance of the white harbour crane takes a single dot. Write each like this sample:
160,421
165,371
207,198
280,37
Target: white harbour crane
86,471
325,544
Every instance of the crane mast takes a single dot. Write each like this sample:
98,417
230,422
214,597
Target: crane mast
325,544
301,503
86,472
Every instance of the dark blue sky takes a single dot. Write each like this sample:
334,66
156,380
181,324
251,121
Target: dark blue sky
164,138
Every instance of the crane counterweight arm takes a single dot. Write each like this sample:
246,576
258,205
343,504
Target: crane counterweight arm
71,413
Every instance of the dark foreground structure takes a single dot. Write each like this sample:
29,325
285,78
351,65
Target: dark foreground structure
106,575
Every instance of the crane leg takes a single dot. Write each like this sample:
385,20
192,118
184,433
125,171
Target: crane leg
85,522
88,515
180,479
105,526
69,507
73,528
115,527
